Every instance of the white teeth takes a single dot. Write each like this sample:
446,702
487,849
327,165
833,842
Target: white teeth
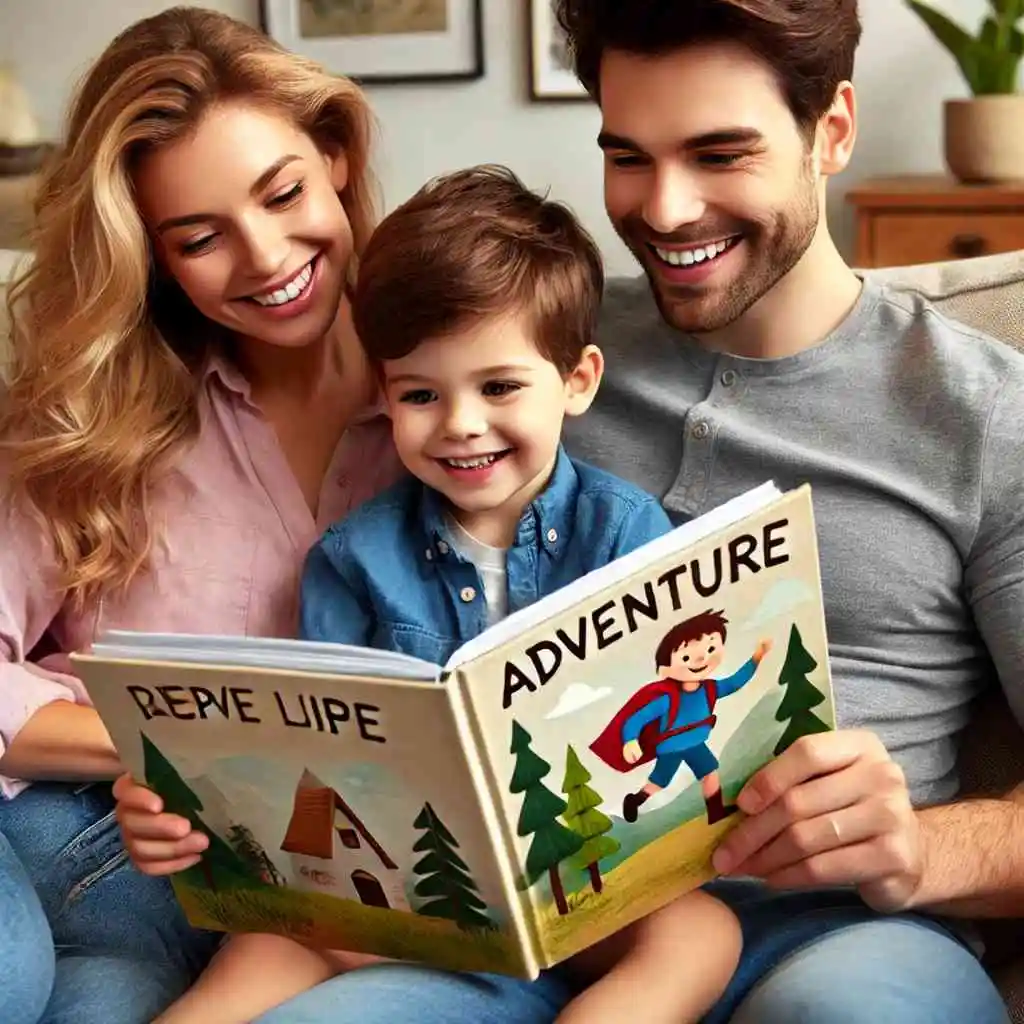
475,463
687,257
291,291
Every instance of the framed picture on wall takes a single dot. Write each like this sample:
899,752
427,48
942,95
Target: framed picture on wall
383,40
551,74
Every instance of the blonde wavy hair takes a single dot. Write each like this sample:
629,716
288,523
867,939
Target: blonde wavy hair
103,390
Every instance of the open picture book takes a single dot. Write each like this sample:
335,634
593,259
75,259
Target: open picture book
506,810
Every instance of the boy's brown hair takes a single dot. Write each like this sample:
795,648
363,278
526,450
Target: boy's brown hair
809,44
705,624
473,245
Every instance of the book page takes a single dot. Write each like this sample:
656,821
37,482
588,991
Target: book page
608,575
618,732
341,811
265,652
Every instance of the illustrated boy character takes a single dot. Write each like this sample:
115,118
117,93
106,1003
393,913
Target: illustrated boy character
670,719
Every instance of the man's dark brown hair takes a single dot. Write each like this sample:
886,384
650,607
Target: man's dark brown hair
809,44
706,624
473,245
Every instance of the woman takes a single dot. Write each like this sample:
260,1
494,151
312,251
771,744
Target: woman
188,408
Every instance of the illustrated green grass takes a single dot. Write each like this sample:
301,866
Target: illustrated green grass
672,864
328,922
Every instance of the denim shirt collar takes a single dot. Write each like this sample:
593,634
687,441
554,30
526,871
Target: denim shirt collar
546,521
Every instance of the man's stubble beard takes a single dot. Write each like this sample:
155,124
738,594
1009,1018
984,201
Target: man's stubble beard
773,249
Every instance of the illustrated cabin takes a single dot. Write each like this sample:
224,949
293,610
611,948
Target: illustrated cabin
332,851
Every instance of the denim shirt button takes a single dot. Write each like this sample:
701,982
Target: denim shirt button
428,555
442,548
552,535
467,594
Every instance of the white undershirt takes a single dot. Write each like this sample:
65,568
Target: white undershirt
489,562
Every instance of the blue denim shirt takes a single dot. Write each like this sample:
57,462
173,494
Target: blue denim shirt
385,576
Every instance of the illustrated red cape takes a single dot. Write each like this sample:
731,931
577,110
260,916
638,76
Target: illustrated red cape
608,746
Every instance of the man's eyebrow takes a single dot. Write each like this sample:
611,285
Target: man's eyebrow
257,186
718,137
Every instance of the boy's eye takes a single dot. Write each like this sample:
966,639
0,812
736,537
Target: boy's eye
288,196
711,649
499,388
419,396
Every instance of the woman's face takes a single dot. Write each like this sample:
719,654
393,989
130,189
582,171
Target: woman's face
244,213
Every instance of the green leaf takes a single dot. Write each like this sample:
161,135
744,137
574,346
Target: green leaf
962,46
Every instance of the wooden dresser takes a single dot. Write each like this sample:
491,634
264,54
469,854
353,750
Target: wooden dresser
932,218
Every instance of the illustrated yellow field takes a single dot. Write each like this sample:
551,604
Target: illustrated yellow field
634,889
314,920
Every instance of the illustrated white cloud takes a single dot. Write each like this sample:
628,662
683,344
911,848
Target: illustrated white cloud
781,599
577,696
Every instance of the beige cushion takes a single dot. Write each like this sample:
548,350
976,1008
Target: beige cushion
986,293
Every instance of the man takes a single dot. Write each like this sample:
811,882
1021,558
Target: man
752,351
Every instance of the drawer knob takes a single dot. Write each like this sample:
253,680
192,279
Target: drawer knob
967,245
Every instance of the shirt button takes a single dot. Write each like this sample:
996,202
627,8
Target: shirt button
729,378
442,548
467,594
701,430
429,555
552,535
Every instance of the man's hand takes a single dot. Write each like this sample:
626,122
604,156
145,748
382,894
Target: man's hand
158,843
632,752
833,809
761,650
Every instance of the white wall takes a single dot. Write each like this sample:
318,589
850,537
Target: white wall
902,76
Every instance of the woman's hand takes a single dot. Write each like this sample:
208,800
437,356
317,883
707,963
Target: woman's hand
158,843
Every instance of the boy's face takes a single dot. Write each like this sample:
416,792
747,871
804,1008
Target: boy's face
695,660
478,416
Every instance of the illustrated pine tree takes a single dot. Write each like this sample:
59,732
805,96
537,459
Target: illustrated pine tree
552,842
245,844
220,866
801,694
445,880
583,816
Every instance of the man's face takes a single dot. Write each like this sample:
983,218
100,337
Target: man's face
708,179
695,660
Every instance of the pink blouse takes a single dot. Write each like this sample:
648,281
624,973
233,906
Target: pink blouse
233,533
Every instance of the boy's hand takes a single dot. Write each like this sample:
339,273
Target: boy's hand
632,752
158,843
761,650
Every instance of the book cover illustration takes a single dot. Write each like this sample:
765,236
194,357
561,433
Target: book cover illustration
619,731
347,821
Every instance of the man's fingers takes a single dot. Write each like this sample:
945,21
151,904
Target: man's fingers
879,862
808,838
878,787
808,758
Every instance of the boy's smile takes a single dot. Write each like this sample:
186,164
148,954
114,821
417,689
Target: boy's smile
478,416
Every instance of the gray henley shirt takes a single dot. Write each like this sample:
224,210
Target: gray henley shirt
908,427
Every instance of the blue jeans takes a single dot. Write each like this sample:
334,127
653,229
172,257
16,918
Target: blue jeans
94,941
809,958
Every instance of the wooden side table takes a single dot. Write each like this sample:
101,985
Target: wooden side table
16,195
932,218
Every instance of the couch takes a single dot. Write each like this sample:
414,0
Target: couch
987,293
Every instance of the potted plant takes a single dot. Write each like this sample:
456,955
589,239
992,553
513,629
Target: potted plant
984,135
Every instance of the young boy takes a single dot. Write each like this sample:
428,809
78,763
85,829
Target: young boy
476,303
